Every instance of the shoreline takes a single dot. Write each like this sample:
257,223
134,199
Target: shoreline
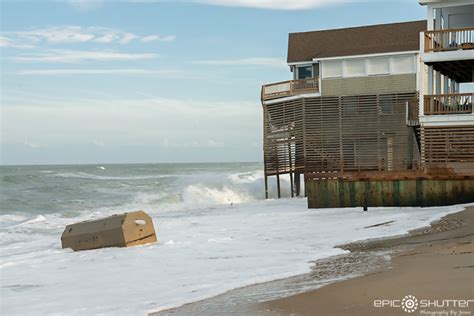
373,257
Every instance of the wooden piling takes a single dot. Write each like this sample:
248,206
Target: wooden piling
278,185
266,186
297,183
291,185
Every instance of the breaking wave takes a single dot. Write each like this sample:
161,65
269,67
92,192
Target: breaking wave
84,175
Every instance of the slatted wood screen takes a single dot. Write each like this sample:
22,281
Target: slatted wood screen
449,147
283,137
349,133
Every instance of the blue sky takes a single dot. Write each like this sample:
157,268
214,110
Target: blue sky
152,81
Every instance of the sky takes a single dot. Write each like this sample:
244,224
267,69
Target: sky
152,81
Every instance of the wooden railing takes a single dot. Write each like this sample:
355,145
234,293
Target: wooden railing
450,39
289,88
460,103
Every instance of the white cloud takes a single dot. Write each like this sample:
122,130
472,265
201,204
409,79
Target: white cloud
269,62
106,38
265,4
33,145
127,38
98,143
66,34
150,38
85,5
169,123
74,56
275,4
77,34
7,42
153,38
73,72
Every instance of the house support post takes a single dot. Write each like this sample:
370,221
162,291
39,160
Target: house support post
266,186
278,185
297,184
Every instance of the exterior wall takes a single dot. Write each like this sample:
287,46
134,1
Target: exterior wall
368,85
372,193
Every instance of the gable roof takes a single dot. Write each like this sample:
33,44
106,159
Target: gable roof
373,39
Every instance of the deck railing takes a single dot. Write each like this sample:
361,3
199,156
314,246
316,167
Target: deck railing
460,103
450,39
290,88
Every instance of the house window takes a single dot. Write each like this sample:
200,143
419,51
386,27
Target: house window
402,65
305,72
332,69
349,105
378,66
354,68
386,105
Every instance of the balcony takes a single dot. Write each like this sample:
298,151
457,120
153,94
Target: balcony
449,40
289,88
440,104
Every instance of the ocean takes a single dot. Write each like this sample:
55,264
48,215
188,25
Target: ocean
216,233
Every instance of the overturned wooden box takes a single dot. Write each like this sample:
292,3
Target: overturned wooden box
123,230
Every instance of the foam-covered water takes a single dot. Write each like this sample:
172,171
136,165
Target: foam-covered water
216,233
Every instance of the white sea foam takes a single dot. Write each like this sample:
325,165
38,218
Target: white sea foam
246,177
199,196
85,175
200,254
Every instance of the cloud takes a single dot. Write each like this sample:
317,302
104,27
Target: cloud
127,38
98,143
33,145
208,144
275,4
70,34
75,72
265,4
86,5
115,121
153,38
107,38
74,56
268,62
66,34
8,42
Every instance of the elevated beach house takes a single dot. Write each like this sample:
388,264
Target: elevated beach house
377,115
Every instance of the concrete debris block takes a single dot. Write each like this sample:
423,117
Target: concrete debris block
123,230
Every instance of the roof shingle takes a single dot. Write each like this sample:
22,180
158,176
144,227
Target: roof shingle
383,38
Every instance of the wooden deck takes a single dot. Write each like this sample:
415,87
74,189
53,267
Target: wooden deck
289,88
449,40
441,104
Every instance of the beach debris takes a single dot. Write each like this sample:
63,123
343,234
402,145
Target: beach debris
380,224
121,230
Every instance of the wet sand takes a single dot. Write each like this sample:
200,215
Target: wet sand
431,263
440,267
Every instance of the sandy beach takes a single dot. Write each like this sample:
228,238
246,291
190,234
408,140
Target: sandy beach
440,267
432,264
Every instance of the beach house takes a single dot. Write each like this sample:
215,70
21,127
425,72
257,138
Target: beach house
377,115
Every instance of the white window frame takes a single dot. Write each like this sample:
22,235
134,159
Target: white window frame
366,58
